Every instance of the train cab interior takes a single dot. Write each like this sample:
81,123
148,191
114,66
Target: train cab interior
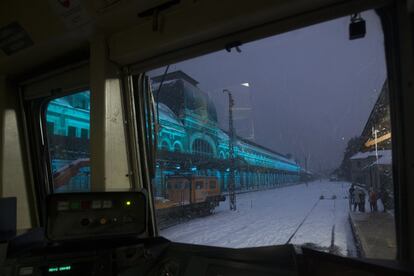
195,137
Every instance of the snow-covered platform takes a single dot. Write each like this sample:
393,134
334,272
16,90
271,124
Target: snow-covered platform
375,234
314,215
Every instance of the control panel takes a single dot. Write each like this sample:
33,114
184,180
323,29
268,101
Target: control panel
95,215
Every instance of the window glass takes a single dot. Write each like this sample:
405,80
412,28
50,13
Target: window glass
295,130
67,119
69,150
50,128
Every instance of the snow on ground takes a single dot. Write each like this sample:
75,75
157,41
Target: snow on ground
270,217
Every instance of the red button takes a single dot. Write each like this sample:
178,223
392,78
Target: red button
86,204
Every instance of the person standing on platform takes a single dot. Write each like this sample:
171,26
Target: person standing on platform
373,200
362,201
356,199
351,193
384,198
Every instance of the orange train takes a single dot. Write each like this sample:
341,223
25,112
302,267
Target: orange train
187,197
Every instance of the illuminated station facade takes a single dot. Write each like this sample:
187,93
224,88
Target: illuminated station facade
190,141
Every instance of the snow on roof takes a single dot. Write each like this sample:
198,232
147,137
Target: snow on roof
385,159
363,155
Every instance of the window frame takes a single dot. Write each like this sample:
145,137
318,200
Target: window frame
389,13
44,102
400,85
34,94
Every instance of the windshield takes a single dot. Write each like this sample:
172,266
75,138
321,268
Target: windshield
286,141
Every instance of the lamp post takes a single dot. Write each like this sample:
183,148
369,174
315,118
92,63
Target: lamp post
375,133
231,185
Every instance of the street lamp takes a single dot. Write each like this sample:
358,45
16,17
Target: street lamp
231,186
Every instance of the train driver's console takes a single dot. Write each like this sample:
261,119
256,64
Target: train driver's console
107,234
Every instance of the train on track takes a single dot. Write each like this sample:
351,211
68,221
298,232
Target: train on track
187,196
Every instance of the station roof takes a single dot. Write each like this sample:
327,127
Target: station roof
363,155
176,75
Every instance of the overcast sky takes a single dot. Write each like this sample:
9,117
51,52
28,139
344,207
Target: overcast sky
310,90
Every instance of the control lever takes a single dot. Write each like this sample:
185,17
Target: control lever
140,259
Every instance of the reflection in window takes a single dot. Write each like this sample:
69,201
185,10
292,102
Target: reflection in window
69,151
84,133
50,128
71,131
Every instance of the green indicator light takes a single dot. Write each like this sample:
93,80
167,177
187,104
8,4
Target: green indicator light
60,268
128,203
65,268
75,205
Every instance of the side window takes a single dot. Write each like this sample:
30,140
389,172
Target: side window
199,185
212,185
69,153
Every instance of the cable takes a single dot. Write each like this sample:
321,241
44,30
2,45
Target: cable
300,225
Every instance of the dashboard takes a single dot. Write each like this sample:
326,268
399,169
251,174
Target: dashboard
150,256
95,215
106,234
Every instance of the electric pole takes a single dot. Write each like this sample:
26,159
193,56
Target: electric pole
376,185
306,169
231,185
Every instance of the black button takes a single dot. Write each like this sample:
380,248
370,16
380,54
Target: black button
85,222
128,219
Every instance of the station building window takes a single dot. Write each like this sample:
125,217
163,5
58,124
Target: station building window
84,133
50,128
71,131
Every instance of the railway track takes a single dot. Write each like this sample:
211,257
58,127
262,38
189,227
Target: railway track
331,248
303,221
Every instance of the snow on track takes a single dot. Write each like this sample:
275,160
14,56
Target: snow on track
270,217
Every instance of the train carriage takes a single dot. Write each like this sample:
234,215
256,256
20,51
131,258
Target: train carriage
187,197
